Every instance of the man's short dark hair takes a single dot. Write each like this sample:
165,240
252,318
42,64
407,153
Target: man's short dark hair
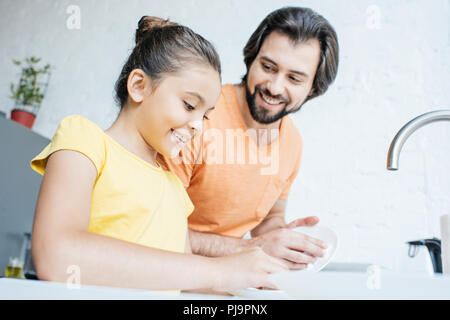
300,24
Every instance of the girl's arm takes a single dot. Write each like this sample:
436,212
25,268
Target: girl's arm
201,291
60,240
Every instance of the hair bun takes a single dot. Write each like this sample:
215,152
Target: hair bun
148,23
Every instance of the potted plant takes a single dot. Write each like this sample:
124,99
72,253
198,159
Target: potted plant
30,91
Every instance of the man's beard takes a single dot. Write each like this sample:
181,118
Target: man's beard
260,114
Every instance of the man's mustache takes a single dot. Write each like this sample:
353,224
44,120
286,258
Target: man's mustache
267,93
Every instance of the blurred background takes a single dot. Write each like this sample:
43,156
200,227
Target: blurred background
394,66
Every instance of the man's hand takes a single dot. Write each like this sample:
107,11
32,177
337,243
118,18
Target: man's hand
294,248
308,221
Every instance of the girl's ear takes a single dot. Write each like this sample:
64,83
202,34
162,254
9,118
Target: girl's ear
136,85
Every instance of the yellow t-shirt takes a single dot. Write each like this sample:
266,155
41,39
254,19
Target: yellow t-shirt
131,199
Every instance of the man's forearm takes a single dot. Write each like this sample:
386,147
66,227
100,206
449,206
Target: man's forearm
268,225
214,245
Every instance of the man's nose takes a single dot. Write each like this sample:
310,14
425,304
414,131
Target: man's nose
275,85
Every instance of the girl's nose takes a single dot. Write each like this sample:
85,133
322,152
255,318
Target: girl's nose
197,127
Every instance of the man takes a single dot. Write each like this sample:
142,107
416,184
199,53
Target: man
291,58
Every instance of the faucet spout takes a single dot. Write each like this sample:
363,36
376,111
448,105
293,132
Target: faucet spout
408,129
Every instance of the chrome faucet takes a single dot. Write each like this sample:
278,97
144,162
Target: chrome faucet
392,164
408,129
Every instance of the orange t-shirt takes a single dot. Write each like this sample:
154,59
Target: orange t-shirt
232,181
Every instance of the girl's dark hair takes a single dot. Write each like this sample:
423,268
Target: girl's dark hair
163,47
300,24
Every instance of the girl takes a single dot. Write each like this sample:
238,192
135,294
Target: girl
107,207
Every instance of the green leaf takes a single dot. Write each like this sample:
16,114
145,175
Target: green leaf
28,91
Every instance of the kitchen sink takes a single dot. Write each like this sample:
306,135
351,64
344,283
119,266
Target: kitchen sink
374,284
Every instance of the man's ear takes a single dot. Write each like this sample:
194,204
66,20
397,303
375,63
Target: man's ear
311,92
137,83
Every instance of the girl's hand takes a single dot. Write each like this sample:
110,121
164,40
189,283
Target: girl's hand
246,269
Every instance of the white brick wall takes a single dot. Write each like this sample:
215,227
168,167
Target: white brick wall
387,76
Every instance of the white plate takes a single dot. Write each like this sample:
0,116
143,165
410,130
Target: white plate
253,293
326,235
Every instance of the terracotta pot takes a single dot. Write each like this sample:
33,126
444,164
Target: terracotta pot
25,118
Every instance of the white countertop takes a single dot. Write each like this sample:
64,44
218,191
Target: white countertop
299,284
12,289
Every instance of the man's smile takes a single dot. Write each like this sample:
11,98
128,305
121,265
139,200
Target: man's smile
268,101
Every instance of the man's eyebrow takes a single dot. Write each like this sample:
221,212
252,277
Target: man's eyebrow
301,73
195,94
